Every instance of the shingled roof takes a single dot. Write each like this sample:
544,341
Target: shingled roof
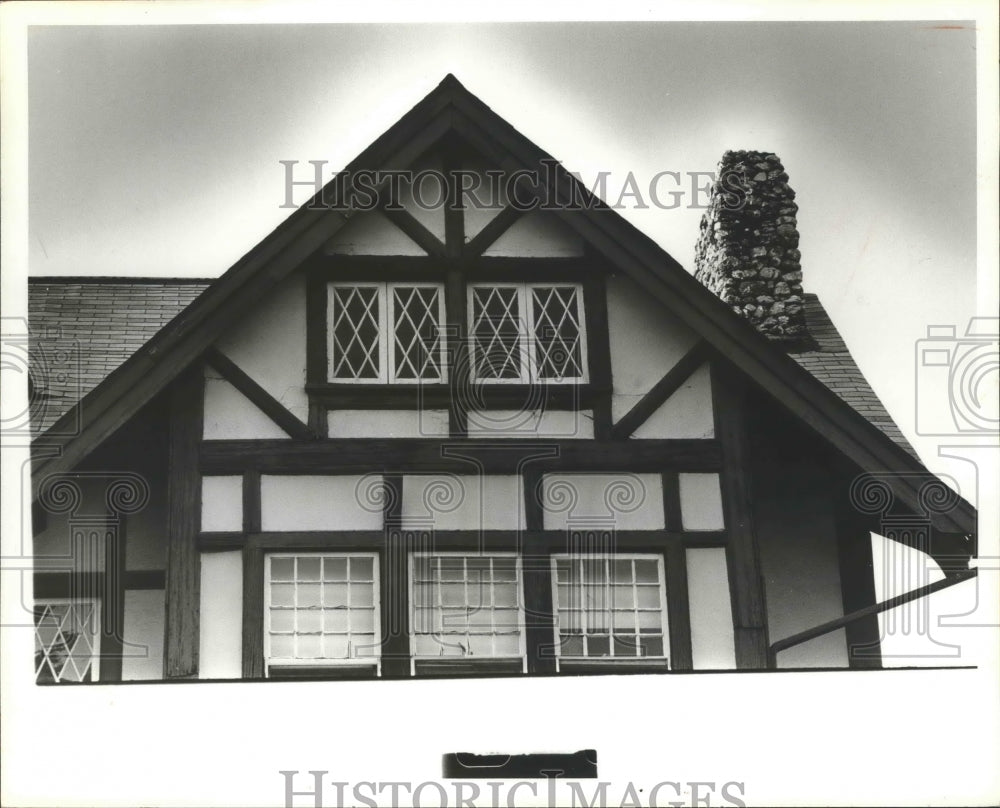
829,361
81,329
95,324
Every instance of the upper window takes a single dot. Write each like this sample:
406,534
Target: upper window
527,332
466,607
67,634
321,609
386,332
610,608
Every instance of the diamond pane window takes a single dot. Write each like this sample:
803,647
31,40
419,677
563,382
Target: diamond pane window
523,333
416,318
497,333
321,609
67,636
386,332
556,318
610,607
466,606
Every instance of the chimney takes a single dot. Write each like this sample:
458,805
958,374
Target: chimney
747,251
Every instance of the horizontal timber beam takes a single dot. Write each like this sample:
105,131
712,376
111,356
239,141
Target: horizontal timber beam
497,456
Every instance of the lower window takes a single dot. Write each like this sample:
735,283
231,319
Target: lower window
67,640
466,613
321,611
610,608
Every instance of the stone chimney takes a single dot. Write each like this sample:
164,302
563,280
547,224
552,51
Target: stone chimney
747,251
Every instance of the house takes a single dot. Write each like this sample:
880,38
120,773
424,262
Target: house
402,439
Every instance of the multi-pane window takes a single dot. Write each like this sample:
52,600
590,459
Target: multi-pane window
466,607
386,332
527,332
609,607
67,636
321,609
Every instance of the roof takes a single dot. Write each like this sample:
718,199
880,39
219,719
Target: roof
829,361
450,110
103,321
82,329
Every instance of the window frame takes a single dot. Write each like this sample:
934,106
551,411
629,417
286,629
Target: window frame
95,654
385,291
304,666
578,661
528,370
459,662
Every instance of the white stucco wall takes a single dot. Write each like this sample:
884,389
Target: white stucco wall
269,345
701,501
712,638
619,501
222,503
531,423
484,203
220,643
229,415
387,423
371,233
321,502
634,318
142,649
686,414
454,502
539,234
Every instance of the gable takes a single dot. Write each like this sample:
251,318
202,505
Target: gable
451,111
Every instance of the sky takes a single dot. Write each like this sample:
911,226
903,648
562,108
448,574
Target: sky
155,150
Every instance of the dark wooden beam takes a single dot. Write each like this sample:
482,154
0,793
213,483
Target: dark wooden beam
113,598
186,398
441,455
393,547
257,395
61,584
660,392
495,228
539,612
413,228
745,580
857,579
253,612
678,607
595,312
457,352
251,501
440,396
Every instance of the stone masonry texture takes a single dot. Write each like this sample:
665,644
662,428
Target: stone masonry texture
748,247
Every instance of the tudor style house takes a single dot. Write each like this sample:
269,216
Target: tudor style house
400,440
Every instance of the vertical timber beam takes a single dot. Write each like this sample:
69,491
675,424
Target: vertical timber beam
183,521
857,579
745,581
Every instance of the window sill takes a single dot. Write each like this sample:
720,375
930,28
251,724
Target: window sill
613,665
322,672
469,667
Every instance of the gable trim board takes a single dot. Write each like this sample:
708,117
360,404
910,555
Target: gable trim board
451,108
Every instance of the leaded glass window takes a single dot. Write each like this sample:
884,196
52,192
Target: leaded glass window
67,638
527,332
386,332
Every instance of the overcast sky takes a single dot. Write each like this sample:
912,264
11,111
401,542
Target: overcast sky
155,150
